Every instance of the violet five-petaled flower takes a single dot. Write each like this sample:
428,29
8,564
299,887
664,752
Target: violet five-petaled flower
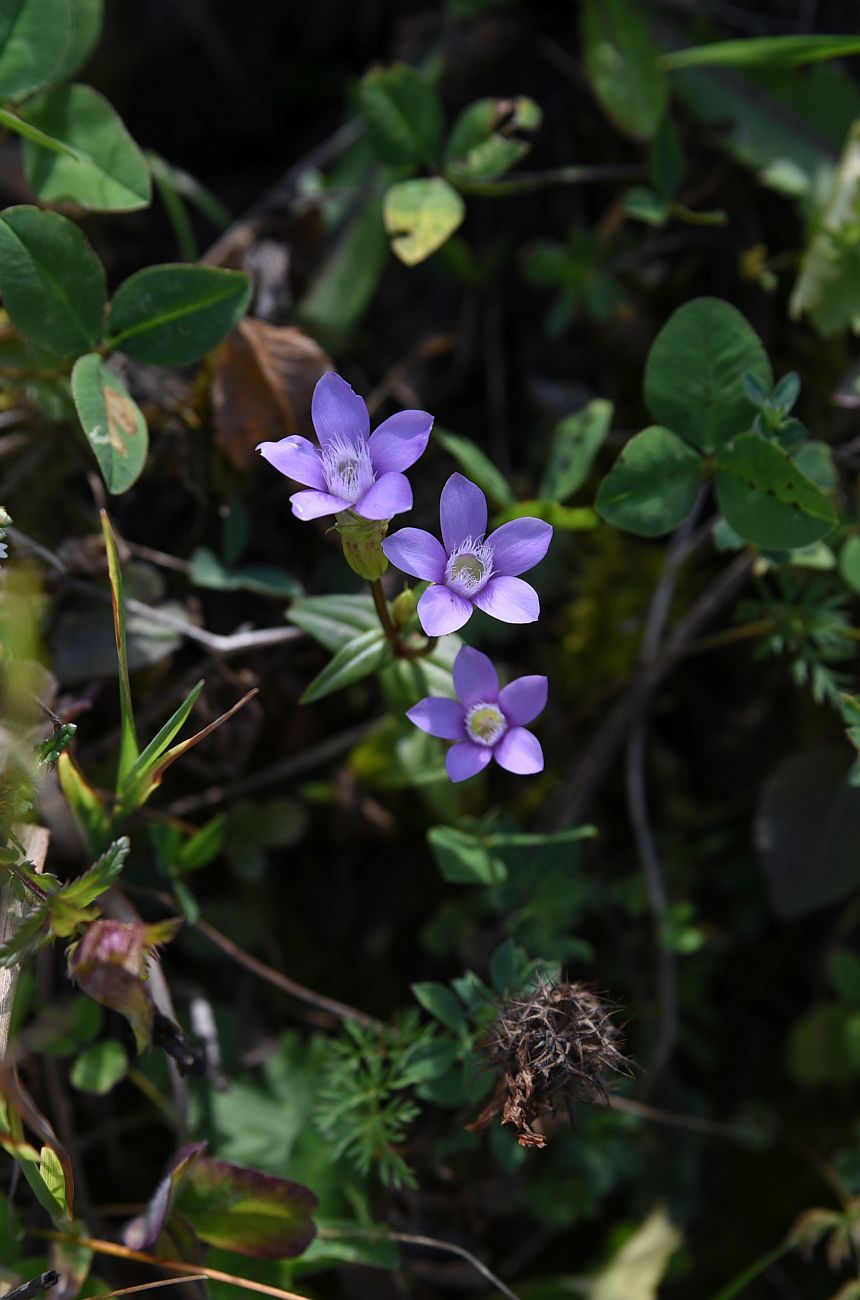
350,470
471,569
486,721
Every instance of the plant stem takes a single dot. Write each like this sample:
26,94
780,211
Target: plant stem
392,632
384,614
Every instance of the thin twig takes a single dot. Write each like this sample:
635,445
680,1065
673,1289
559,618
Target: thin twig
432,1243
177,1265
234,643
147,1286
637,799
583,783
341,1010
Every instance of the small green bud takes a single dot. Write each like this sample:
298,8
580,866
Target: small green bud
362,544
403,609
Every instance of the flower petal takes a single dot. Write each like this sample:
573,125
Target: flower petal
519,751
438,717
296,457
509,599
337,411
522,700
463,761
399,440
416,552
441,611
519,545
313,504
462,511
390,495
475,678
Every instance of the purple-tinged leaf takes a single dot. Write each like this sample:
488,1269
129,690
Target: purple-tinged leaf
143,1232
247,1211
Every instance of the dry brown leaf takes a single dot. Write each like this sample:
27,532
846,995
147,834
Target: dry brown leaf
263,386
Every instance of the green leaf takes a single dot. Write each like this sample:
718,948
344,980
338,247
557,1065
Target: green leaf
341,292
360,657
135,787
53,284
129,748
849,563
100,1067
463,859
35,39
246,1211
653,484
420,216
172,315
780,51
787,126
112,422
333,620
89,886
481,145
109,174
845,974
623,66
477,465
694,373
88,808
86,30
442,1003
265,580
827,284
576,441
403,115
767,498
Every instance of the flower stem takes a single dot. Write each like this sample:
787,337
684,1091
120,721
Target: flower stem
384,614
392,633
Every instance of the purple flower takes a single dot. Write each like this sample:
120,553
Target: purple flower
349,470
487,722
471,569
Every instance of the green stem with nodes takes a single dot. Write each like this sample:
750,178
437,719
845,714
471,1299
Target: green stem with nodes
401,649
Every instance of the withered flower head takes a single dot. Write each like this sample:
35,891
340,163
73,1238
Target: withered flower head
110,964
552,1046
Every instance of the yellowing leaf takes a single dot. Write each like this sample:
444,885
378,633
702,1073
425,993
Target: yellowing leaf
420,215
637,1270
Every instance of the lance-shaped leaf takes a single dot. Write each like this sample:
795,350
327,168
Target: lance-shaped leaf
88,808
149,777
128,748
112,422
333,620
476,465
359,658
576,441
137,777
107,174
769,51
143,1232
70,905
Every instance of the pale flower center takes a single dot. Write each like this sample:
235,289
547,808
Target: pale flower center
347,468
485,723
469,567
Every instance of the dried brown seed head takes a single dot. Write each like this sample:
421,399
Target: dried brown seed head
552,1046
